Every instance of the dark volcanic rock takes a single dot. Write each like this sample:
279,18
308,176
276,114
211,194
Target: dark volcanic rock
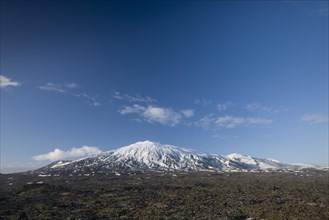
168,195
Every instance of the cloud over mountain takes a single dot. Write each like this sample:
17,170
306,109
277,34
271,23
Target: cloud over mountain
59,154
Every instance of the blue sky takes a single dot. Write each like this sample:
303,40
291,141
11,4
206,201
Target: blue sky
215,76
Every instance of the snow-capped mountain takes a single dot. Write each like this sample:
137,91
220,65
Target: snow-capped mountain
148,155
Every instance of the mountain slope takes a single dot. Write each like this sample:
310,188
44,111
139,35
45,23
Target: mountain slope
148,155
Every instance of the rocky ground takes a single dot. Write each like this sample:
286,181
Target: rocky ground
303,195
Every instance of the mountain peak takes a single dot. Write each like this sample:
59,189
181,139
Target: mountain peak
152,154
146,142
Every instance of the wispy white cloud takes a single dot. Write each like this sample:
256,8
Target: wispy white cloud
224,137
68,88
224,106
7,82
312,8
187,112
132,109
230,122
58,154
319,11
203,102
206,122
259,108
315,118
58,87
71,85
52,87
162,115
91,100
125,97
155,114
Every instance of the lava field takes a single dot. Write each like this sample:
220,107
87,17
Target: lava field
156,195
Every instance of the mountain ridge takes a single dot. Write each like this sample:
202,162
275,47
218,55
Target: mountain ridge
151,156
